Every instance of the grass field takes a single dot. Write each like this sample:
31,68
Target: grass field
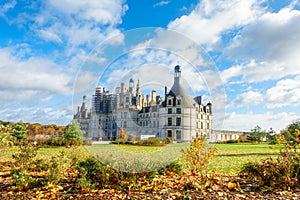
137,158
230,157
227,161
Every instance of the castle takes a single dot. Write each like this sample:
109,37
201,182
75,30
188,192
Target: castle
175,115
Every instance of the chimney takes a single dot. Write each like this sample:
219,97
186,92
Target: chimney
122,88
153,98
147,99
166,90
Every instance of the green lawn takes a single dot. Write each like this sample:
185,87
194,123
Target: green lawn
137,158
228,159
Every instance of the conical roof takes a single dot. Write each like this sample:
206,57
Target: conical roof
178,90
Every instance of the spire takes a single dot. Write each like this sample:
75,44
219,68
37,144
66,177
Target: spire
177,89
138,84
177,70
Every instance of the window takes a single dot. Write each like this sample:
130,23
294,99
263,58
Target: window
169,121
169,110
125,115
178,110
125,124
170,133
178,121
178,134
127,99
201,125
170,102
179,101
207,125
154,115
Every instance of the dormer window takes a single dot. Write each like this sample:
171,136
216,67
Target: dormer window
179,102
170,102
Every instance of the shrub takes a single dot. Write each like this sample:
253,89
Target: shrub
174,167
232,141
93,173
5,136
151,141
23,163
56,167
280,173
272,173
197,156
169,140
20,178
87,141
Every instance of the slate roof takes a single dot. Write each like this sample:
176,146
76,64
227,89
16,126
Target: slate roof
178,91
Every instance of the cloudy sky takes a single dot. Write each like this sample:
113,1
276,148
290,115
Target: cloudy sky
243,56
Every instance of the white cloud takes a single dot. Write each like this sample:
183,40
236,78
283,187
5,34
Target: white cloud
6,7
27,78
161,3
231,72
286,92
51,115
249,98
104,12
49,36
272,44
211,18
86,22
245,122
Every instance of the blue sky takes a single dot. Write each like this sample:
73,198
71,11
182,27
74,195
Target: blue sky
54,51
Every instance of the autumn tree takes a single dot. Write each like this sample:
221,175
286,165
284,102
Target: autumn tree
123,134
290,130
6,139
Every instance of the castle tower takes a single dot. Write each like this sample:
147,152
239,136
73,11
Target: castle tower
139,96
153,98
131,85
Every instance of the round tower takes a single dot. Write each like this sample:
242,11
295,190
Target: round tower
131,85
177,71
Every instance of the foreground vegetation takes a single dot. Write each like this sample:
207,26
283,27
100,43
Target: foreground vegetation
61,172
117,171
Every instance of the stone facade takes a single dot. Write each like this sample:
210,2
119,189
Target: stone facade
175,115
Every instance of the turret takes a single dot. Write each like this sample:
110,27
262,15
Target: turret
131,85
153,98
122,88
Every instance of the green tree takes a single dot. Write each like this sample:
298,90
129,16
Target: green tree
73,134
257,134
289,131
20,131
